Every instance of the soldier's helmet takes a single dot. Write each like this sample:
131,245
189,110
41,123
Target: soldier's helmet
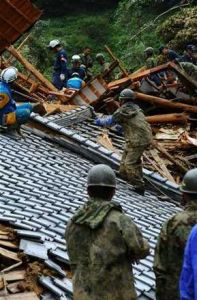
101,175
149,51
127,95
189,184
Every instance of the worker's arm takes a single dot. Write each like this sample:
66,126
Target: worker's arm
137,246
188,288
4,99
160,261
63,62
107,121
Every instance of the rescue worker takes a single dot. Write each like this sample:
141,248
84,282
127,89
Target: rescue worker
188,280
189,55
151,63
77,67
103,242
11,115
75,82
100,57
138,137
172,240
105,66
168,54
150,59
87,61
190,69
60,70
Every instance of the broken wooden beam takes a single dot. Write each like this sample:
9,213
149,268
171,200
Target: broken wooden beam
125,73
171,158
168,118
137,76
31,68
165,103
188,81
21,296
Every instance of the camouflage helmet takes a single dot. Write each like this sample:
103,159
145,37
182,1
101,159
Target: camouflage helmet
101,175
149,51
189,184
127,94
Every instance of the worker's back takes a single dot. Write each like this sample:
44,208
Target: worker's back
136,129
170,250
101,257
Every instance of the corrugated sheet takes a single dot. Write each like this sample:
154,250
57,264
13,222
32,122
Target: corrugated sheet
16,17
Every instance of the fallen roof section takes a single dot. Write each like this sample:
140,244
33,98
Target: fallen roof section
43,184
16,17
77,126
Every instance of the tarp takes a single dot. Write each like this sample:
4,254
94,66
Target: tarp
16,17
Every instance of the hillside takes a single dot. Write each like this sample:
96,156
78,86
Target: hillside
127,28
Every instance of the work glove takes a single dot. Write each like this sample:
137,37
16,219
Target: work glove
96,121
62,77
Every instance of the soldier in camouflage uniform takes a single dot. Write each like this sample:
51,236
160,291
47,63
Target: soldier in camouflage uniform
102,243
138,137
172,239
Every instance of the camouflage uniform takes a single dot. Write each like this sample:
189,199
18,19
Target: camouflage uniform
190,69
102,243
170,250
150,62
88,62
138,136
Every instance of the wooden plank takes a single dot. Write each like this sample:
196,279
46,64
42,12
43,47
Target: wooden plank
170,158
31,68
167,118
160,162
161,102
9,254
11,276
185,78
137,76
21,296
115,59
8,244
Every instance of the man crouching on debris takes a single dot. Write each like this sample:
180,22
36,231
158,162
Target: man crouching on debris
138,137
103,242
12,116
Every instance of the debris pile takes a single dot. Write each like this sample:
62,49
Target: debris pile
170,108
26,271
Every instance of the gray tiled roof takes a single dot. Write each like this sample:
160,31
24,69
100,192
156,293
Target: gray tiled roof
78,126
41,186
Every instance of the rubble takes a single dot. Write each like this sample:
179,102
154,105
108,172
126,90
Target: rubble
34,259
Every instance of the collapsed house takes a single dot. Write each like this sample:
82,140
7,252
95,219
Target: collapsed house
43,173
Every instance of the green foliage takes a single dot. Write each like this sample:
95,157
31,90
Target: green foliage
60,7
131,18
180,29
74,31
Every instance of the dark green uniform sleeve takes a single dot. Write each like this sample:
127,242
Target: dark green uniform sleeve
160,268
137,246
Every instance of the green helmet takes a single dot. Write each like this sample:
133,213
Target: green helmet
127,94
101,175
100,55
189,184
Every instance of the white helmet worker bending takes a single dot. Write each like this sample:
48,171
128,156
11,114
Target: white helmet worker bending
9,74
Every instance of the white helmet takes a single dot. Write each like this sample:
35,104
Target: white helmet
76,58
9,74
54,43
